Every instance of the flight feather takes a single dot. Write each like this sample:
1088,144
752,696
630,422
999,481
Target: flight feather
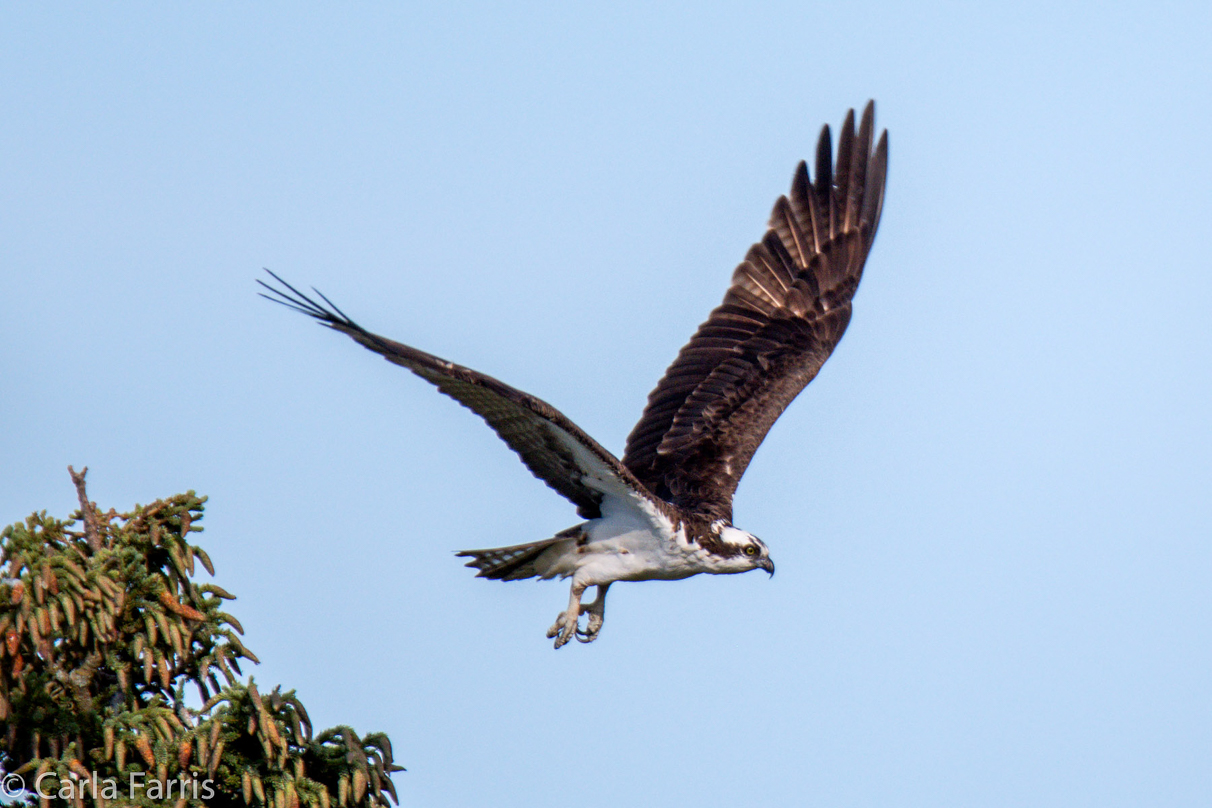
786,309
554,448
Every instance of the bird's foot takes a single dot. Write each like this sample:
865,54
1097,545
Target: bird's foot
592,627
597,613
565,627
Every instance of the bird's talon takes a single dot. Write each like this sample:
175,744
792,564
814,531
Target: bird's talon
564,629
594,624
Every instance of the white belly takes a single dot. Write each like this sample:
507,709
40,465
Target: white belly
621,549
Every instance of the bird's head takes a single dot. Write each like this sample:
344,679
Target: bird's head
745,551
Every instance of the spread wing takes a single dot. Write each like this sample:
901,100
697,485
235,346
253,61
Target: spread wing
555,449
786,309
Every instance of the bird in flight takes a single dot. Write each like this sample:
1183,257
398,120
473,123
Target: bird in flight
664,512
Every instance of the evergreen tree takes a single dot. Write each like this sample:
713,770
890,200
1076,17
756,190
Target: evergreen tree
102,630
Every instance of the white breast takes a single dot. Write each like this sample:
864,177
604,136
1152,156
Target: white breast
621,547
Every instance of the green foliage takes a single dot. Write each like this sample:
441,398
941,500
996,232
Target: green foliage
102,630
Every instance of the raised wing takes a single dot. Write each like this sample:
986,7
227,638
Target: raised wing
786,309
555,449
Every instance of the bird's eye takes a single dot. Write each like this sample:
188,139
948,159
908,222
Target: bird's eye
750,550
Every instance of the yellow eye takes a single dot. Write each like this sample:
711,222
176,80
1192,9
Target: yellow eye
750,550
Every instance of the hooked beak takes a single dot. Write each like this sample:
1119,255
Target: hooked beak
767,565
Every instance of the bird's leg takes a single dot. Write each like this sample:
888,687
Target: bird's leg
565,626
597,613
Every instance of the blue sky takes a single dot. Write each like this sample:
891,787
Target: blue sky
990,513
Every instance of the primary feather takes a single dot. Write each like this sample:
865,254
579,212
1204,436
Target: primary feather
786,310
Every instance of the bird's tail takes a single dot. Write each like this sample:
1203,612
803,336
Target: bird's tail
539,558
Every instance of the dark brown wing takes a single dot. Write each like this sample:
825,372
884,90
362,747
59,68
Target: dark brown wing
555,449
786,309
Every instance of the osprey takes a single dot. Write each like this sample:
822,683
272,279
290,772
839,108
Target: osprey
665,510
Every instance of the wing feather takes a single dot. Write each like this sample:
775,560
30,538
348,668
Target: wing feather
786,309
555,449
